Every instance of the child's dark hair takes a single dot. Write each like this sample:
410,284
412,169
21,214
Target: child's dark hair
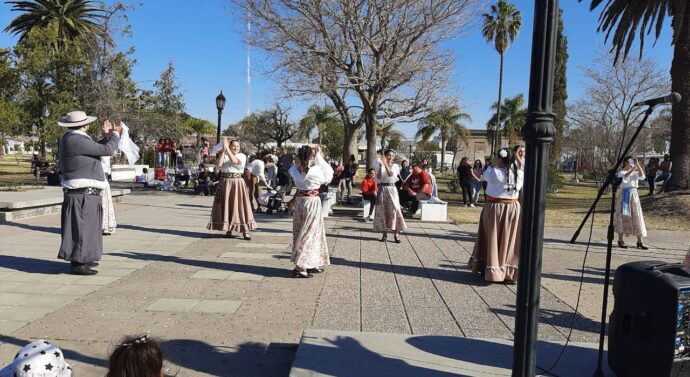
136,356
370,170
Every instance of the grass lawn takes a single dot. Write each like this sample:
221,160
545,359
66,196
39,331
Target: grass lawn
568,207
15,171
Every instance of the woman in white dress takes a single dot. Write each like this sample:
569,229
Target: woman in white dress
232,211
628,219
309,247
497,248
388,217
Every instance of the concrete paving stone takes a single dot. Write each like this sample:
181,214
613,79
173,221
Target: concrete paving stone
48,301
35,288
21,313
211,274
7,327
172,305
95,280
245,276
115,271
6,286
216,306
76,289
11,298
256,245
240,255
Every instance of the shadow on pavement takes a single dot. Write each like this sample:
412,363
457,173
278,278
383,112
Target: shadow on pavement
33,265
558,318
37,228
174,232
249,359
69,355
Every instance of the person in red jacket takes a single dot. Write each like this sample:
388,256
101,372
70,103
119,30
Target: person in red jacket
417,187
369,191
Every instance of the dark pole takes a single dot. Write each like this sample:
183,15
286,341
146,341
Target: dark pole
538,134
218,130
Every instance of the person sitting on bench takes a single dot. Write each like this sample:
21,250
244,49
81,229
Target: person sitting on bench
417,187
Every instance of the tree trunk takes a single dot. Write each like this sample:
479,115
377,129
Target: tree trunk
498,108
371,136
349,141
680,135
443,152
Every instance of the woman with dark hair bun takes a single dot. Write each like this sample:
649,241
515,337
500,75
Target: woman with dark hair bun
497,248
309,248
136,356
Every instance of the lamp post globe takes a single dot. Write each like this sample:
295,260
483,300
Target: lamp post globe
220,104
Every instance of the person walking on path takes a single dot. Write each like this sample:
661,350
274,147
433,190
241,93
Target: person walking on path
477,171
388,217
466,177
309,247
497,248
665,169
232,211
83,180
628,219
650,171
369,191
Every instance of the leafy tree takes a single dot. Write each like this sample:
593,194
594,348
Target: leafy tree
623,20
501,27
560,92
515,115
73,18
168,99
390,137
317,118
332,139
446,121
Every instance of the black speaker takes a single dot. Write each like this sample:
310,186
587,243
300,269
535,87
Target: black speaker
648,328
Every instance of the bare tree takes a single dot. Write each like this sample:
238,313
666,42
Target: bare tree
385,53
602,123
259,129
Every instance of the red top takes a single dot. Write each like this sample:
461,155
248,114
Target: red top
369,186
159,173
417,181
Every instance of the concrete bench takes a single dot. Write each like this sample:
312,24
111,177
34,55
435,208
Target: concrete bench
31,203
365,205
432,211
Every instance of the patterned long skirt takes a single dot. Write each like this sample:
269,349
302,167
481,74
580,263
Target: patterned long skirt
388,216
231,208
309,247
497,248
632,225
109,221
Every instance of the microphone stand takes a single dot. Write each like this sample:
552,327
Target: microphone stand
613,181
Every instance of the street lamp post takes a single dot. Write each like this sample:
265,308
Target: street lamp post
538,134
220,104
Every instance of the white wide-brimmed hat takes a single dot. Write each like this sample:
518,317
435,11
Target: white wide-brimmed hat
38,359
75,119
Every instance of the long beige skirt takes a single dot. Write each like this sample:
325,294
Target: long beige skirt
497,249
309,247
231,208
388,216
632,225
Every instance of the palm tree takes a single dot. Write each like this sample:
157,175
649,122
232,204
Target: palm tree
74,18
317,118
387,132
501,27
446,120
621,19
515,115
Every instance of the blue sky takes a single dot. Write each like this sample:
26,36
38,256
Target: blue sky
204,42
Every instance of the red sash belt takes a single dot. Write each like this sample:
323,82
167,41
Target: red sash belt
314,192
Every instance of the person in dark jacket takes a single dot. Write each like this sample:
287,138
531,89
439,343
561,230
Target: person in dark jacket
82,182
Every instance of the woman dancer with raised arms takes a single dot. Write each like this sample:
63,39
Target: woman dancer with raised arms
309,248
388,217
232,211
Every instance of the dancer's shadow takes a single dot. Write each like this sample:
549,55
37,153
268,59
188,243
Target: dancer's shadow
37,228
174,232
33,265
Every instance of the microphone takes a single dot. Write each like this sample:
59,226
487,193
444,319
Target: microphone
671,98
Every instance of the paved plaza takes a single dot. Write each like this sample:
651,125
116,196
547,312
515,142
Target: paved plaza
228,307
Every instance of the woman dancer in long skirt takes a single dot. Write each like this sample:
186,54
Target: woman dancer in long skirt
388,217
309,248
497,249
232,211
628,219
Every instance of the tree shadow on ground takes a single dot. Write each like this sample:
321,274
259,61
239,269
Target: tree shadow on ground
248,359
33,265
38,228
558,318
69,354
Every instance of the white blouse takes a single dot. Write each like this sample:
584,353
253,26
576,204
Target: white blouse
497,182
319,174
229,167
381,172
631,181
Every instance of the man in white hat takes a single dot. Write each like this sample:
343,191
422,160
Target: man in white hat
82,182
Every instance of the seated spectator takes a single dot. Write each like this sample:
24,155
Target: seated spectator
136,356
417,187
53,176
369,191
202,181
38,359
182,175
159,173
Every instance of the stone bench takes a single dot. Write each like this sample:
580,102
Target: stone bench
365,205
31,203
432,211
